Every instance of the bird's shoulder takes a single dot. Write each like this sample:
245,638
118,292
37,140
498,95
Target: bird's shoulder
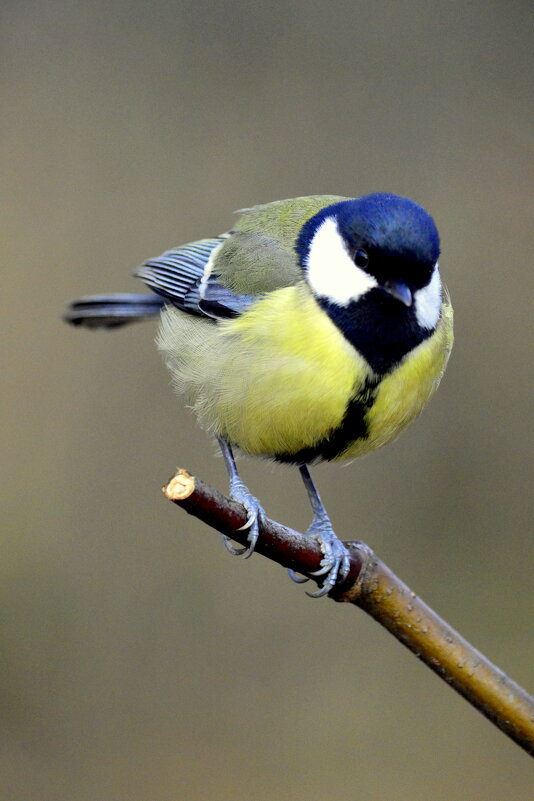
258,255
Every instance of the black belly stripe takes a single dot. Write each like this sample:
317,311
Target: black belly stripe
353,427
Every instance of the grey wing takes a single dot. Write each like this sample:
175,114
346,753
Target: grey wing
183,277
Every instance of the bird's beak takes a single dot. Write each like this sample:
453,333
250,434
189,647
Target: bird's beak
399,291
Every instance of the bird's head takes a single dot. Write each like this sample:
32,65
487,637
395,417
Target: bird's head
372,265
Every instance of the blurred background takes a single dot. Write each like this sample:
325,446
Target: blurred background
139,661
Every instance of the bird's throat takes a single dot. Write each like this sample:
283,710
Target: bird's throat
381,329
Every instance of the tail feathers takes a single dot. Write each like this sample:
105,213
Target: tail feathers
111,311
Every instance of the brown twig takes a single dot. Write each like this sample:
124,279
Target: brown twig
373,587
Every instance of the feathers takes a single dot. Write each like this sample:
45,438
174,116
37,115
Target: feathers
177,274
282,220
252,264
186,277
278,380
428,302
404,392
111,311
330,268
274,380
219,302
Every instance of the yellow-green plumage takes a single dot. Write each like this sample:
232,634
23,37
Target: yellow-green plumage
259,256
282,219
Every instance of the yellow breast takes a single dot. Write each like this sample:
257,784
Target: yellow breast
278,378
290,376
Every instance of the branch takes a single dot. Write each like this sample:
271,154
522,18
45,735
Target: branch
372,586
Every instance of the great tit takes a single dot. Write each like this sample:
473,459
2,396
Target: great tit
316,329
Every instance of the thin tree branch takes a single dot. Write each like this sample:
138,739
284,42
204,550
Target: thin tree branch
373,587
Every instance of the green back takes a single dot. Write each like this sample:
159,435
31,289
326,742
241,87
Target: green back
259,254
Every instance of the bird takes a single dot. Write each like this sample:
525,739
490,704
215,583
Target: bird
315,329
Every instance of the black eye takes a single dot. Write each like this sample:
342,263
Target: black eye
361,258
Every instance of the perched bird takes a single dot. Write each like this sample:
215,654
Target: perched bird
316,329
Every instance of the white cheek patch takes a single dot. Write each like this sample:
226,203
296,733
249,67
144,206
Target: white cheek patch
428,302
331,272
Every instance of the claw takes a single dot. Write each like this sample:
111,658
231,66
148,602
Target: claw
252,538
251,519
336,566
227,542
252,523
322,591
333,572
296,578
325,567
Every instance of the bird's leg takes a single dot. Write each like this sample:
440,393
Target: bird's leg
336,557
241,493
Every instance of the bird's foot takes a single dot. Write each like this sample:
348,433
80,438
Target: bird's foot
335,562
239,492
